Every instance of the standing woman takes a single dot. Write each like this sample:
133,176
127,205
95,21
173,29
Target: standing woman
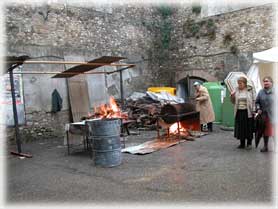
264,102
204,106
243,99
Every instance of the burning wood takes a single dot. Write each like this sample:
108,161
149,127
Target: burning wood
175,131
177,128
110,110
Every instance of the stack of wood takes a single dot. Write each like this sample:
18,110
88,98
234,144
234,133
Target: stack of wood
144,111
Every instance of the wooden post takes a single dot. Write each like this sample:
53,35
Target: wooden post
17,136
121,88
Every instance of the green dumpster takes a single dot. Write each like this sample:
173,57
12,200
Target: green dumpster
228,119
215,90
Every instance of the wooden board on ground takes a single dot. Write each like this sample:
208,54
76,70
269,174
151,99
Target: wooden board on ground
150,146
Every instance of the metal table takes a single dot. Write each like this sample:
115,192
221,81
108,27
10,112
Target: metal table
79,128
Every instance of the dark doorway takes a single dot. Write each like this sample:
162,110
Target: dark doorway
185,87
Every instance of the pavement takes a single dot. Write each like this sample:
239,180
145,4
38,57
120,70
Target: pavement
208,170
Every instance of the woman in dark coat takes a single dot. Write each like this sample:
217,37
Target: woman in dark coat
243,99
264,106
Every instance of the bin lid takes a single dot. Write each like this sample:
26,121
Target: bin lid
213,85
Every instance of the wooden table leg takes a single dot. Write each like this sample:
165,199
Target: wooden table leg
67,133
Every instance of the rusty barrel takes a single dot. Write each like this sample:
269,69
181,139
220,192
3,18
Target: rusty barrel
172,113
104,136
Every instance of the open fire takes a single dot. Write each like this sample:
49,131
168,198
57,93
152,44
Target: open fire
110,110
177,128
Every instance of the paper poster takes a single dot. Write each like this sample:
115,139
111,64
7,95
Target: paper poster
6,97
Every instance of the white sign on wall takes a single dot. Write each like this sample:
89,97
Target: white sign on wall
6,99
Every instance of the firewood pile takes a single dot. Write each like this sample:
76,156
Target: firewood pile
144,111
143,108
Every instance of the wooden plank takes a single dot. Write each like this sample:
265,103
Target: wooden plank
78,92
84,68
21,154
65,63
79,97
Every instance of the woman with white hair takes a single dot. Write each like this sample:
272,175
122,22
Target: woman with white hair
204,106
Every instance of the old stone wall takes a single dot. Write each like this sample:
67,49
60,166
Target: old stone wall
70,29
44,124
59,32
222,43
166,43
40,124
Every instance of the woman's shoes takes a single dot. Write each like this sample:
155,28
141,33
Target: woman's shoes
265,149
241,147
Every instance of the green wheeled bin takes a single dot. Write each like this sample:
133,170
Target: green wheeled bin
228,119
216,90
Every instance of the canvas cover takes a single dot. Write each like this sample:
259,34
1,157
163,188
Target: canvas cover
266,61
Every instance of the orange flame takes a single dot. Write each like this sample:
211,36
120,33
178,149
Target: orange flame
110,110
174,129
114,105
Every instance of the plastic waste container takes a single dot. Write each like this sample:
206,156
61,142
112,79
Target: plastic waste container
228,119
215,90
170,90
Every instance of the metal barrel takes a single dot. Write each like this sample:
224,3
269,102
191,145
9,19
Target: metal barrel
105,138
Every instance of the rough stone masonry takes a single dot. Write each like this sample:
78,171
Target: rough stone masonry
166,43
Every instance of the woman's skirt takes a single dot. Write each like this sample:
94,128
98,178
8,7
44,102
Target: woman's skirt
244,126
268,131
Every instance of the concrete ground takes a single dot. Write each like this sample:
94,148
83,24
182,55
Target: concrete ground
209,169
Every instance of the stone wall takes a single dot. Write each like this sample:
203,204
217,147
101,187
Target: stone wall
57,32
166,43
120,32
44,124
161,40
222,43
41,125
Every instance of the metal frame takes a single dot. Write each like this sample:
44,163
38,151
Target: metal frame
179,118
16,127
168,129
86,143
13,62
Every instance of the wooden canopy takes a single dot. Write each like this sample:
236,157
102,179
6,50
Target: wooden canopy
79,69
